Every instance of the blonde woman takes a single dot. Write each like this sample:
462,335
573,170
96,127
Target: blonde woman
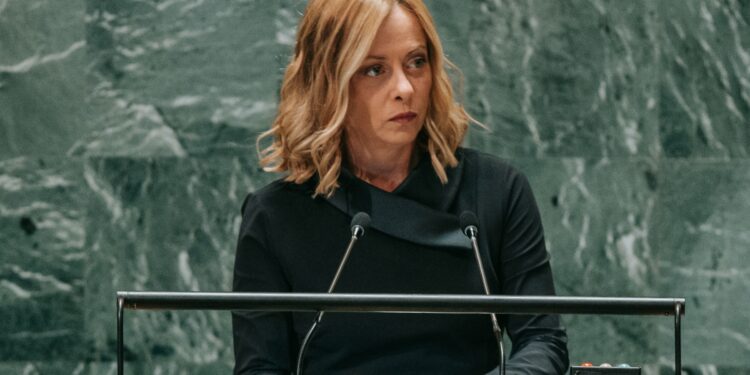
367,122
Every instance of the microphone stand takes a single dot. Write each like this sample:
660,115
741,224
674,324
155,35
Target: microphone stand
471,232
358,230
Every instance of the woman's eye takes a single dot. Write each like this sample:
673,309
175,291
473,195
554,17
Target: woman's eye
418,62
377,70
374,71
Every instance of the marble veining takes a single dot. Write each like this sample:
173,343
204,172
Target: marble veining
127,134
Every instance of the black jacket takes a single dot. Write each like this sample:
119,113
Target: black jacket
291,242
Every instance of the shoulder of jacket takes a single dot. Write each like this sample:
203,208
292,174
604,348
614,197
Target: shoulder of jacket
273,194
489,165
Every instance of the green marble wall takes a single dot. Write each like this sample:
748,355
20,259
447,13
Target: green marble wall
125,149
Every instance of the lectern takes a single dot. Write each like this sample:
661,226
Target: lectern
432,303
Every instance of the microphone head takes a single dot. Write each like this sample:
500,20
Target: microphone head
360,221
468,221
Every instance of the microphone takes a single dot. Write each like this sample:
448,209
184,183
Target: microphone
359,223
469,226
469,222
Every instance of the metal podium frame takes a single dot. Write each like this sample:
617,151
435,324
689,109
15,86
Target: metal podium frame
421,303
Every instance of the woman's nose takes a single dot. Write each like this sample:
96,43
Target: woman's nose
403,86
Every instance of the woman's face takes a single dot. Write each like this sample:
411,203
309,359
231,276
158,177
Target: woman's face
390,93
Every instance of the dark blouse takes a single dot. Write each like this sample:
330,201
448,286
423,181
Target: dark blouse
291,242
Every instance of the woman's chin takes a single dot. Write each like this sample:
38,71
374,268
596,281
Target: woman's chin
399,140
399,137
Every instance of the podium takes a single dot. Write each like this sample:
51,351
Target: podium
414,303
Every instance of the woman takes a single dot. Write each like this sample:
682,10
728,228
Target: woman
367,123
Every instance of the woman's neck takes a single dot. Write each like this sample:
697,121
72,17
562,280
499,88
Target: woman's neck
384,168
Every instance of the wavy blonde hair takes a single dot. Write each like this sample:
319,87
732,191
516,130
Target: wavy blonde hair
333,39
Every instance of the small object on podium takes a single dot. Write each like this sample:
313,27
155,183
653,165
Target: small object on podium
588,368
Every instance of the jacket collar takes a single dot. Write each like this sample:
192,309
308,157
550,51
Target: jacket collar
417,211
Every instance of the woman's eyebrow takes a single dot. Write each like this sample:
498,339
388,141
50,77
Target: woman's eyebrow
378,57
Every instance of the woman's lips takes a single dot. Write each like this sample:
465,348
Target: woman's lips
404,117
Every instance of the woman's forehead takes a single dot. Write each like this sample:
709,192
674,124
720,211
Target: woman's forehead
399,29
416,48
